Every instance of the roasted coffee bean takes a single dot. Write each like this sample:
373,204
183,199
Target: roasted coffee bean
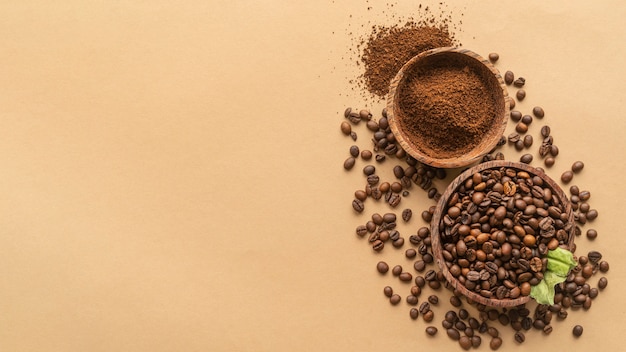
410,253
567,176
527,119
592,214
513,137
414,313
378,245
427,216
419,266
554,150
353,135
465,342
354,151
424,307
382,267
388,291
369,170
433,299
528,141
538,112
380,158
549,161
519,337
453,334
420,281
516,116
577,166
577,330
493,57
360,195
397,270
521,127
602,283
520,94
346,128
366,154
495,343
357,205
349,163
519,82
526,158
509,77
455,301
428,316
431,330
411,300
406,214
395,299
594,257
373,180
361,230
545,131
584,195
603,266
547,329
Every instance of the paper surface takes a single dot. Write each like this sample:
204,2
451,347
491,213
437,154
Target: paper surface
172,173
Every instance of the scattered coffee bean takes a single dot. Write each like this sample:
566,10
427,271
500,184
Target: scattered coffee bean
453,334
549,161
521,127
519,82
382,267
410,253
538,112
354,151
411,300
602,283
527,119
545,131
431,330
433,299
407,214
465,342
577,166
357,205
526,158
395,299
603,266
528,141
520,94
592,214
577,330
511,103
519,337
349,163
353,135
346,128
388,291
369,170
516,116
397,270
366,155
414,313
493,57
509,77
567,176
495,343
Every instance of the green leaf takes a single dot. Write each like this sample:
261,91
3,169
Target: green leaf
560,262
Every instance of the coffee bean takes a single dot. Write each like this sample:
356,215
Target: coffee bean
520,94
511,102
411,300
545,131
406,276
369,170
521,127
584,195
549,161
361,230
397,270
495,343
602,283
360,195
528,141
527,119
431,330
453,334
577,166
594,257
526,158
603,266
380,158
349,163
538,112
465,342
366,155
577,330
592,214
493,57
354,151
433,299
382,267
395,299
346,128
516,116
365,115
410,253
519,337
388,291
567,176
413,313
509,77
378,245
357,205
353,135
455,301
428,316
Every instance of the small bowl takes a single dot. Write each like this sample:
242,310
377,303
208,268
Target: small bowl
442,208
458,58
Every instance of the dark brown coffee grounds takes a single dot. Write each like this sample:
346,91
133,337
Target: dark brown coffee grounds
447,108
389,48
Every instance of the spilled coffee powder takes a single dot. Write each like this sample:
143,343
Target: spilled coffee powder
447,107
388,49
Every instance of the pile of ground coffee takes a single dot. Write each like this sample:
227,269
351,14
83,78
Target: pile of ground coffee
388,48
447,108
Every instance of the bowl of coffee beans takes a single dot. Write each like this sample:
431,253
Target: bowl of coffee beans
447,107
493,227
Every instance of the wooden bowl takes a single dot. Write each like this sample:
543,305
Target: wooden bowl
442,209
399,121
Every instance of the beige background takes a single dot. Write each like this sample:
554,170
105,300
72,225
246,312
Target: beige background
171,174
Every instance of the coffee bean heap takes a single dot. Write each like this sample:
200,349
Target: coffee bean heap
498,225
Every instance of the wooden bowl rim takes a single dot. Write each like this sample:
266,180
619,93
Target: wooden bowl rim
441,205
477,153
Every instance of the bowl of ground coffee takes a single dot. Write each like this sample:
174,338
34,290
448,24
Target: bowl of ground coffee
447,107
493,227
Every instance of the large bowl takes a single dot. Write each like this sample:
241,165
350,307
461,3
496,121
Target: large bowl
442,208
447,57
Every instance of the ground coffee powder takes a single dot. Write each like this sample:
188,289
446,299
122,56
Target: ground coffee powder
447,107
389,48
